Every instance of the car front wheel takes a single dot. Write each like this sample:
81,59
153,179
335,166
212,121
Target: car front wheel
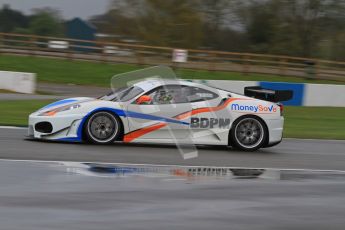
102,128
248,133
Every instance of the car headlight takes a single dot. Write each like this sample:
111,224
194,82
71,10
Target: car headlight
60,109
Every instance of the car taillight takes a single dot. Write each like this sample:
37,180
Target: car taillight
281,106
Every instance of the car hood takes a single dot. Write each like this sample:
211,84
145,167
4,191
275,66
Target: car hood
65,102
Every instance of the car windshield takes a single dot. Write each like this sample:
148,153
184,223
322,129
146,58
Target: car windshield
122,94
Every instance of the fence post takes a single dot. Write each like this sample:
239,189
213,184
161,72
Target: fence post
1,42
310,69
103,53
245,66
317,68
212,62
140,59
69,54
282,63
33,45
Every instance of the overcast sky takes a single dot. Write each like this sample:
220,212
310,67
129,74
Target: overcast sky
68,8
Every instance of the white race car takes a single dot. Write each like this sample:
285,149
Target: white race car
166,111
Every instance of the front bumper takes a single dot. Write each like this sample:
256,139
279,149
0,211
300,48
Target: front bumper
64,127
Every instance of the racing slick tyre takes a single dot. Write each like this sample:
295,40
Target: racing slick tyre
248,133
102,128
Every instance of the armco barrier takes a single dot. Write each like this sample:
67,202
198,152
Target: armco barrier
18,81
304,94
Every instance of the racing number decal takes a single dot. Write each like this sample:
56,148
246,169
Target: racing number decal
223,123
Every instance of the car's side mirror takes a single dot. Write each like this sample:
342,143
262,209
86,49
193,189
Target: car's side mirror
144,99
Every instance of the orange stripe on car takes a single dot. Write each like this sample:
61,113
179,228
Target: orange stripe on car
140,132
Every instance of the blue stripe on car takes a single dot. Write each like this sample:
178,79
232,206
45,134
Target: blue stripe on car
120,113
154,118
59,103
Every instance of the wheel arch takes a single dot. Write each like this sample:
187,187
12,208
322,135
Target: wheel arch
267,138
114,112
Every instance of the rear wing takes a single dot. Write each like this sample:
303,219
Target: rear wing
268,94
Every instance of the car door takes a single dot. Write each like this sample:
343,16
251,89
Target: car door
160,118
207,115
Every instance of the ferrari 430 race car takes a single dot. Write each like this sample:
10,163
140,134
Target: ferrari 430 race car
165,111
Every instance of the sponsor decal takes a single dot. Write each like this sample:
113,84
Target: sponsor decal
223,123
254,108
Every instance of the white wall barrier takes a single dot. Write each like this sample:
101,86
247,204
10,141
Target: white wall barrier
304,94
18,81
233,86
307,94
324,95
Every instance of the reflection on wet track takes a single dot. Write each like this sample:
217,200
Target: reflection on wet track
191,173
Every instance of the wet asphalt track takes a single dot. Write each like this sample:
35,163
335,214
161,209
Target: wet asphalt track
291,153
40,196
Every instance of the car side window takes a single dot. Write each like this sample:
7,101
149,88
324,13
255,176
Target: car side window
176,94
195,94
169,94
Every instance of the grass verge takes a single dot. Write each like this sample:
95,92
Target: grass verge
99,74
300,122
315,122
17,112
6,91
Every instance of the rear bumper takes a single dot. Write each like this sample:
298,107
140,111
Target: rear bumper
275,130
272,144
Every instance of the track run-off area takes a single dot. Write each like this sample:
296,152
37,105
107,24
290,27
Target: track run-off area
290,154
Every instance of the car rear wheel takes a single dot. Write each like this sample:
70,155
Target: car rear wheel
248,133
102,128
